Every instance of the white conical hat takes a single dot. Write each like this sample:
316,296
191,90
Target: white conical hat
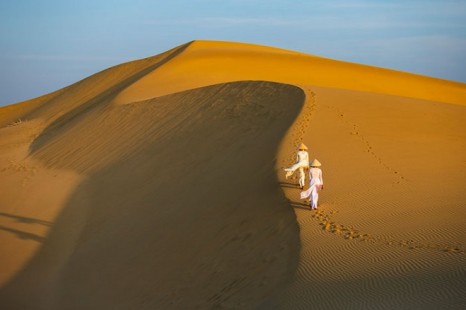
315,163
302,147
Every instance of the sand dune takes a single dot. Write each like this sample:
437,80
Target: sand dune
389,231
158,184
205,62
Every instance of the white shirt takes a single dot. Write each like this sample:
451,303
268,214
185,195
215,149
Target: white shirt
302,156
316,174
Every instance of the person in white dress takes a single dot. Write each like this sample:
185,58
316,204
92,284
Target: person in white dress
302,162
316,183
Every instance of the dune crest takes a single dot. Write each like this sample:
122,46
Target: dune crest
212,62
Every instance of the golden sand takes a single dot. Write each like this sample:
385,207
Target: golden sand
158,184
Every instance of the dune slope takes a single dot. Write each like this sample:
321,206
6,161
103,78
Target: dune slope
178,215
389,233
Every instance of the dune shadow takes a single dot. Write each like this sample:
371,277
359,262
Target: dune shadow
98,101
179,222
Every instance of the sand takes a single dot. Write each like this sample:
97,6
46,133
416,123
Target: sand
158,184
391,236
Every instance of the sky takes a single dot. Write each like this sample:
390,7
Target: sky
46,45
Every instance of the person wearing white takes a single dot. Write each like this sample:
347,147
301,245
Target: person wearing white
302,161
316,183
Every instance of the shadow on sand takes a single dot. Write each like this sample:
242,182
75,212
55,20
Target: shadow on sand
289,185
22,234
300,205
26,220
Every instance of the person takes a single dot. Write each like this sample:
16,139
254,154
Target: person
302,162
316,183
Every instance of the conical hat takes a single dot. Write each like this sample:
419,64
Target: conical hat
302,147
315,163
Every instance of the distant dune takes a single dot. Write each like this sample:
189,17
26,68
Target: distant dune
158,184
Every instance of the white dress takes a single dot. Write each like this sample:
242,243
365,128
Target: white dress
315,184
302,161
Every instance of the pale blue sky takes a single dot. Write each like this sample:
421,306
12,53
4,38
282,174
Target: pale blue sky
49,44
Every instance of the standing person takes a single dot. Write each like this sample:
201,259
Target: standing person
302,161
316,183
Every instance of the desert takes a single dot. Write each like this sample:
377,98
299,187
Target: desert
159,184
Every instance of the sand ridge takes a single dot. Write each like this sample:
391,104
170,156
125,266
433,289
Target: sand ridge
206,62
